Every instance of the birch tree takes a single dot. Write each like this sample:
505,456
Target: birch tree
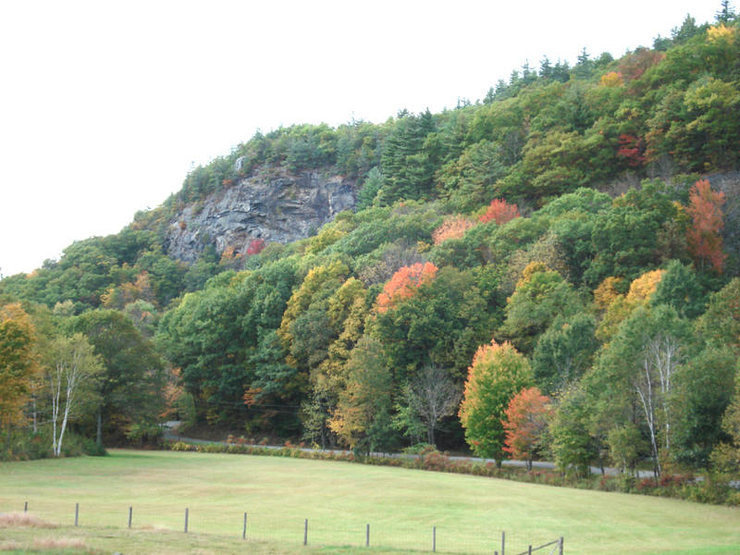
72,373
635,377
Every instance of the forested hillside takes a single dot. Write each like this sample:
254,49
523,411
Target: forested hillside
551,271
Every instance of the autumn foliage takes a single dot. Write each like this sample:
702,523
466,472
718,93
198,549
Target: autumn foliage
404,283
498,372
703,236
256,246
633,65
612,79
631,150
500,212
18,363
526,419
453,227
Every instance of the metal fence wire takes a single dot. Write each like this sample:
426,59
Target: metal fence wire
316,532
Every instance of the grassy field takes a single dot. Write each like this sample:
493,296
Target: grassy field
338,499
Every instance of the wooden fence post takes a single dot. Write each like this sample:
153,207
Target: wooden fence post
529,551
244,530
186,519
130,515
367,536
434,539
560,546
77,513
25,507
503,542
305,532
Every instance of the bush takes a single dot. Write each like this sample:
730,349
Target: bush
145,434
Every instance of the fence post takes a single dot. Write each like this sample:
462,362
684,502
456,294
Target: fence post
530,550
77,513
25,507
434,539
186,519
130,515
503,542
560,545
367,536
305,532
244,530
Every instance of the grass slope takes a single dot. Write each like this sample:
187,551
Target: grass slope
339,499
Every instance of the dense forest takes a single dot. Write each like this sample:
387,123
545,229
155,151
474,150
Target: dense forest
552,271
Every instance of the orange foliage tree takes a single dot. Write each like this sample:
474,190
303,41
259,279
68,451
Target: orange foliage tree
453,227
404,283
500,212
703,236
526,419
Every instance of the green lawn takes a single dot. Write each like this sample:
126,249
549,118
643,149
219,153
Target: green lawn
338,499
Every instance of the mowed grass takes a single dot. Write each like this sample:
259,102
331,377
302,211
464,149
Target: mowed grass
339,500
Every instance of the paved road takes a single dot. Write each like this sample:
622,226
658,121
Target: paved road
170,434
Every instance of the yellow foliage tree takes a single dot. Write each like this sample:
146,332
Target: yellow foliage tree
621,306
18,363
612,79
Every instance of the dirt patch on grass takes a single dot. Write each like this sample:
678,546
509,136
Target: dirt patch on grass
22,520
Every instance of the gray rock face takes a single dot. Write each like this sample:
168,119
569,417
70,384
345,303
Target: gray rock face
275,206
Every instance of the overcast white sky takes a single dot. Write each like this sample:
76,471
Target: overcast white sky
106,105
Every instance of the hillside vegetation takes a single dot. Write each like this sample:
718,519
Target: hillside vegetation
549,272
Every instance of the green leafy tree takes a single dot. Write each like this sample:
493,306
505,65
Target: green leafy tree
679,288
363,417
539,297
573,446
703,393
564,352
131,383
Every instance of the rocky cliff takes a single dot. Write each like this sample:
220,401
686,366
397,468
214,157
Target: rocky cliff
275,206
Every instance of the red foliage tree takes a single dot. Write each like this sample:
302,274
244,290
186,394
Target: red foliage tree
500,211
404,283
631,149
526,419
256,246
633,65
703,236
453,227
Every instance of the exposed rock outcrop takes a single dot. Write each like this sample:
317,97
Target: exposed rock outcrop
273,206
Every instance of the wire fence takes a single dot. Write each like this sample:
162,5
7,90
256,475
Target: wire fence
291,530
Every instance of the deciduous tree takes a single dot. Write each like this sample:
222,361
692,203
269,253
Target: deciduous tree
703,235
432,395
72,373
498,372
18,363
403,284
526,420
500,212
